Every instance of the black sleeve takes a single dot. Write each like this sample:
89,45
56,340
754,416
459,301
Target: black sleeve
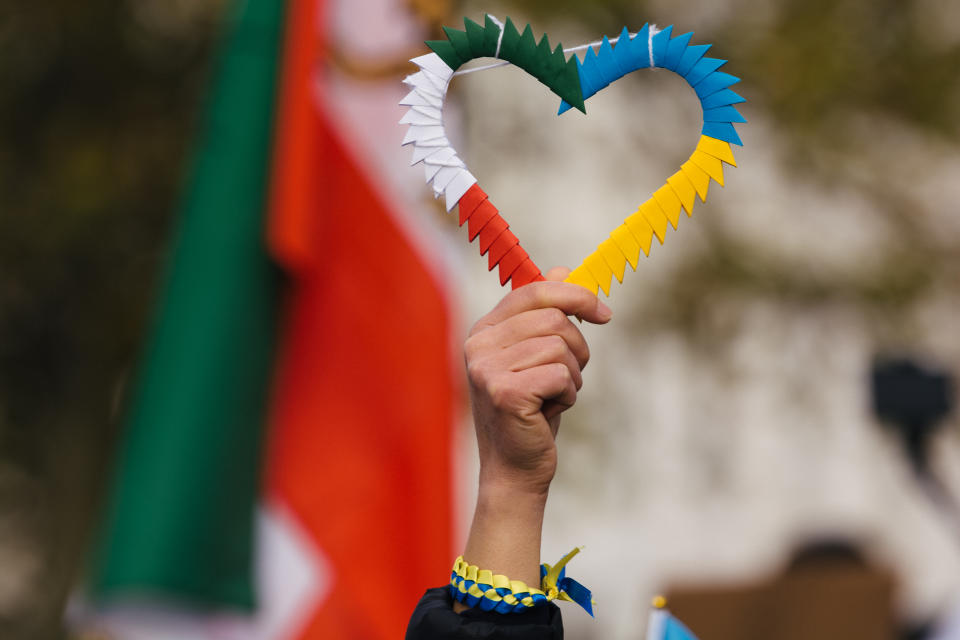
434,619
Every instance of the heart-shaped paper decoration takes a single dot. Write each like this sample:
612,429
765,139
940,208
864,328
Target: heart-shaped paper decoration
574,81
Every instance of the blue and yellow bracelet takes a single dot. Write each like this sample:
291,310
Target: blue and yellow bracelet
476,587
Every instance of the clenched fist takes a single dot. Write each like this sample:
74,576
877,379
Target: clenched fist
524,361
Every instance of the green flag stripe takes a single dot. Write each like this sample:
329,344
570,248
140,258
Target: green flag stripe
179,518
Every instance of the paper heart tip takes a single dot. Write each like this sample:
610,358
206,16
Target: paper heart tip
675,51
690,57
722,131
721,99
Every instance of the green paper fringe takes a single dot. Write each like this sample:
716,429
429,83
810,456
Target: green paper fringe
551,67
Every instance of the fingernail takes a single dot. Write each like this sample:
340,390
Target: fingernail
604,311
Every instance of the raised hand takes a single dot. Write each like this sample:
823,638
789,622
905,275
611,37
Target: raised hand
524,362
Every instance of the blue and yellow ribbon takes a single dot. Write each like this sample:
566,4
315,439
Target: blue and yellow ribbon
476,587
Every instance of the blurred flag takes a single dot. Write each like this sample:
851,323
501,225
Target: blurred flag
663,626
286,468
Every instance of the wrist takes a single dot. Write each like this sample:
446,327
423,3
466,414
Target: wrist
496,479
512,504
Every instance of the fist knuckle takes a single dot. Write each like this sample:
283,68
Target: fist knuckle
477,372
478,326
471,348
556,319
556,347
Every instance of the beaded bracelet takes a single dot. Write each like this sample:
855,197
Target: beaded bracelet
474,587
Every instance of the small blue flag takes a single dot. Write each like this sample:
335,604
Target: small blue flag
663,626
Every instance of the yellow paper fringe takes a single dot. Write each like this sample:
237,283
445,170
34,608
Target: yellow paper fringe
635,234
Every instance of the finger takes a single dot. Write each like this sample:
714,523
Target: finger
530,324
539,351
557,274
549,382
572,299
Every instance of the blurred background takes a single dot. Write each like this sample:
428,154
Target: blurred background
772,398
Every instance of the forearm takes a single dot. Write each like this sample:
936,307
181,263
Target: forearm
506,531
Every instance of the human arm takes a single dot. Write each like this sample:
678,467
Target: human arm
524,361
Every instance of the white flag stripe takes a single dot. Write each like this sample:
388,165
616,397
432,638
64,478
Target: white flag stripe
292,577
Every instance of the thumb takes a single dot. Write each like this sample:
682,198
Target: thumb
559,274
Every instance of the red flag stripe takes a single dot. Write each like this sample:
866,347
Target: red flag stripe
364,399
